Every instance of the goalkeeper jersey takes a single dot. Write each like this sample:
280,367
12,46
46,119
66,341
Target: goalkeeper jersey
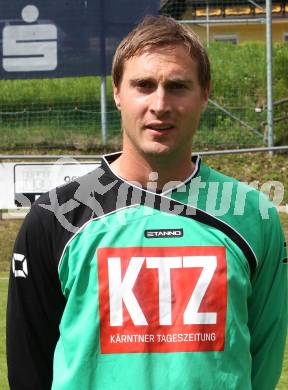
116,286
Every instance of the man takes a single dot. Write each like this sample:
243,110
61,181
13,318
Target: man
130,277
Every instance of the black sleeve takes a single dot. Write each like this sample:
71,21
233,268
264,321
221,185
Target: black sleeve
35,304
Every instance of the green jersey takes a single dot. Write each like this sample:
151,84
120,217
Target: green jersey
116,286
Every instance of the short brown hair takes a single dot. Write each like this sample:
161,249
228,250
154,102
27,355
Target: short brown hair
157,32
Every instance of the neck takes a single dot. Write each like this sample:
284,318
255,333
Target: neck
133,166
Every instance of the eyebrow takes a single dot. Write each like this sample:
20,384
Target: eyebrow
136,81
179,80
176,80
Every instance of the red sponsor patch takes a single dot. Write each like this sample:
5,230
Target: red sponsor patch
162,299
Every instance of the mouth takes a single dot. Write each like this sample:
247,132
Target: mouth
159,127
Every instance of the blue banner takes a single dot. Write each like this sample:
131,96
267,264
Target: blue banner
59,38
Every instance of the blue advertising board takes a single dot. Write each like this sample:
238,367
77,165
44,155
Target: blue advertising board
59,38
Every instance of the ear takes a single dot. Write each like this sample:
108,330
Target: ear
116,95
205,96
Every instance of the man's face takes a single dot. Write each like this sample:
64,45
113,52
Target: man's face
160,100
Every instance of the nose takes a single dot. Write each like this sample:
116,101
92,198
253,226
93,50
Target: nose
160,104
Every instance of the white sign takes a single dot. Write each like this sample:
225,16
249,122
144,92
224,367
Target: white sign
23,183
32,47
7,186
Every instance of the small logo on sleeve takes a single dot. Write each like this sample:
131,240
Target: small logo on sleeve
19,266
163,233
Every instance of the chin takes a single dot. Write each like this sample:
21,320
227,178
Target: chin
156,148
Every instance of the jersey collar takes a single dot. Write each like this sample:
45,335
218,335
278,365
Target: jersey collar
109,158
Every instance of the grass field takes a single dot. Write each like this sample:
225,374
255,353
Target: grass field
8,230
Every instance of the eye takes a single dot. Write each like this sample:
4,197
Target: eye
176,86
145,85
